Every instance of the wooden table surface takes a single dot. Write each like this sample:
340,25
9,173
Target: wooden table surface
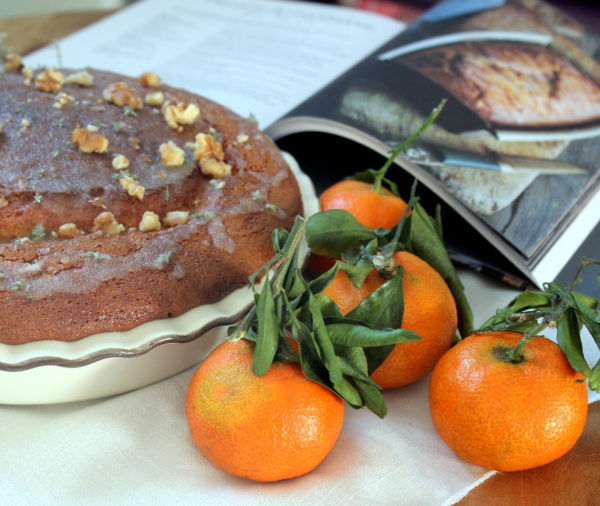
573,480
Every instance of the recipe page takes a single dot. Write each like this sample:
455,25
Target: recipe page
258,57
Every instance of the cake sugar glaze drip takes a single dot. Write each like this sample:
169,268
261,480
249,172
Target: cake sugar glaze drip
125,200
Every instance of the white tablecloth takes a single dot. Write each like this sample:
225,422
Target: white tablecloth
134,448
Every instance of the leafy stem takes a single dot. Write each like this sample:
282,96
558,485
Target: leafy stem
336,351
380,174
564,309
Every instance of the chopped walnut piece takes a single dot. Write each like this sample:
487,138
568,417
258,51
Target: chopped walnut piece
215,168
155,98
121,94
174,218
69,231
134,142
27,73
149,80
89,140
180,114
82,78
12,62
209,154
62,99
50,80
171,155
98,202
107,224
3,202
150,221
132,187
120,162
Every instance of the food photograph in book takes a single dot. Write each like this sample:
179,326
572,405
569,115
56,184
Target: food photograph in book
518,142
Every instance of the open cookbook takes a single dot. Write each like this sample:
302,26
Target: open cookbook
513,157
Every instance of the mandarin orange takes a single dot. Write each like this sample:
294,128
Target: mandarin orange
264,428
429,310
370,207
503,415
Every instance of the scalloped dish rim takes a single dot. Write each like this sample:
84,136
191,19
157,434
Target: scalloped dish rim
144,338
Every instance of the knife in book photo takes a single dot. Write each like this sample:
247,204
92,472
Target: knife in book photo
442,156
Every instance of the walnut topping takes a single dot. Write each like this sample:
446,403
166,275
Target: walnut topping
150,221
134,142
68,231
62,99
174,218
50,80
121,94
171,155
89,140
12,62
107,224
180,114
209,154
98,202
155,98
3,202
82,78
149,80
27,73
132,187
120,162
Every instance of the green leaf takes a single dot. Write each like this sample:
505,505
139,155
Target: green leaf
278,239
367,388
346,334
332,232
569,340
356,273
594,378
530,299
372,397
383,308
324,342
428,245
268,331
329,309
312,367
348,392
586,307
295,284
355,356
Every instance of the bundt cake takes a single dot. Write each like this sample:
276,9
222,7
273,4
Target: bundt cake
125,200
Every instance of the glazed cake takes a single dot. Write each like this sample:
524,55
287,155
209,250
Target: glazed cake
124,200
511,83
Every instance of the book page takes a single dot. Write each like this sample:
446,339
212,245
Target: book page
516,147
257,57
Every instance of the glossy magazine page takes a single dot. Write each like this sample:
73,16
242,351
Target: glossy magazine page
516,148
